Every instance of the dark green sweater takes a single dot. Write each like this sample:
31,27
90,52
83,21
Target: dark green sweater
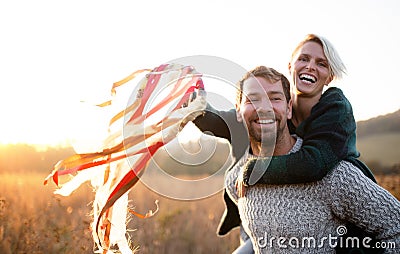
329,136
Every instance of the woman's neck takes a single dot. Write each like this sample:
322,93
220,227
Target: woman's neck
302,108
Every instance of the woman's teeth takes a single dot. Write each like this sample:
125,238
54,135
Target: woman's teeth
308,78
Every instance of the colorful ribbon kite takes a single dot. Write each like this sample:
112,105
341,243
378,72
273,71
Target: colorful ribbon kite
116,167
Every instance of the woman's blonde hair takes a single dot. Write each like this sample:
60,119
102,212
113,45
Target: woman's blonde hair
336,66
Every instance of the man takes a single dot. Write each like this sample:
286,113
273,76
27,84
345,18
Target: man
305,217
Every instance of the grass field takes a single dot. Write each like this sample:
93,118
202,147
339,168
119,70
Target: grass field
382,148
33,220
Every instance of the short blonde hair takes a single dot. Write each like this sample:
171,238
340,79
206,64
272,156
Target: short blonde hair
336,66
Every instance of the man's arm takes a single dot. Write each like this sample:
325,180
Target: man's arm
224,124
356,199
215,122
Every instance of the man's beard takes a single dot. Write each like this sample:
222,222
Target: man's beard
266,140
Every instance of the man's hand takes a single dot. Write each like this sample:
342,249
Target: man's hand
240,188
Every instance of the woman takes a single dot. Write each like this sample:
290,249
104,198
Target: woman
324,120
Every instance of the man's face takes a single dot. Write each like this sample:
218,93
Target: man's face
264,110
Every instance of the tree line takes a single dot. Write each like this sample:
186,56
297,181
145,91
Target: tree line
24,158
381,124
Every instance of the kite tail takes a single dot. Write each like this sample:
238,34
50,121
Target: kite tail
118,165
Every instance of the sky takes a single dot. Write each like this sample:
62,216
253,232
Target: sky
55,54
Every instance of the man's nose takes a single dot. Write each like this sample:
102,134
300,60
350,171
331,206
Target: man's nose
264,105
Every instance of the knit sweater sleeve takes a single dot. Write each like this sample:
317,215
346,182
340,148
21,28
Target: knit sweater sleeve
355,198
328,137
230,183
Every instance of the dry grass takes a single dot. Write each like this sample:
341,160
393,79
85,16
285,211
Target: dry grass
390,183
382,147
33,220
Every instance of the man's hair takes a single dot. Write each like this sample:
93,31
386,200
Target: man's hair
270,75
336,65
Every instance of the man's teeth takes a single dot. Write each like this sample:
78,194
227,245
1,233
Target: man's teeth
307,78
265,121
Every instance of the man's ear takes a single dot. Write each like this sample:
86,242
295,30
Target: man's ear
238,114
289,109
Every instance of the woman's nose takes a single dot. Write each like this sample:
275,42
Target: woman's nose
310,65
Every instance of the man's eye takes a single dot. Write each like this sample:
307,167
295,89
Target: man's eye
250,100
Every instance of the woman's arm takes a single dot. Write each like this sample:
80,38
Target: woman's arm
329,136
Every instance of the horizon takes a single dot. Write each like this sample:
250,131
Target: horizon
65,144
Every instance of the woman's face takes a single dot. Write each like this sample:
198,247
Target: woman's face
310,70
